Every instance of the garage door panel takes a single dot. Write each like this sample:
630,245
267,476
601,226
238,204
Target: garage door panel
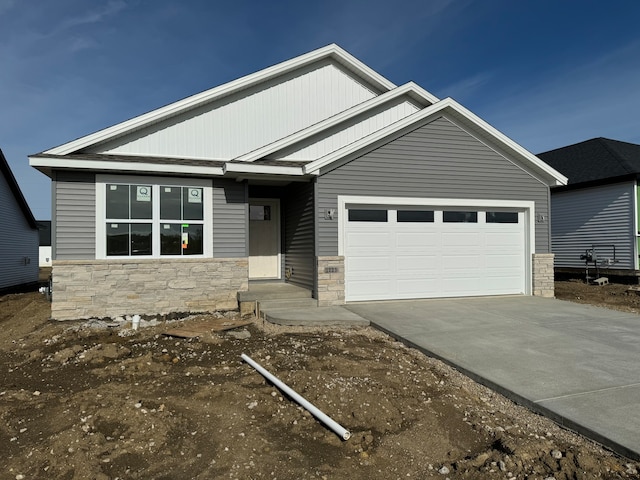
369,239
461,262
369,264
461,286
402,260
406,264
417,288
370,289
460,239
420,240
501,239
501,261
502,285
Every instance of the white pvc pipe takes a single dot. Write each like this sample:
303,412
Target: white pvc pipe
315,411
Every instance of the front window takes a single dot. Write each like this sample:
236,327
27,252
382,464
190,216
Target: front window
181,217
153,220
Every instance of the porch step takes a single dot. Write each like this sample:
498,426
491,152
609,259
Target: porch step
272,291
287,304
273,304
318,317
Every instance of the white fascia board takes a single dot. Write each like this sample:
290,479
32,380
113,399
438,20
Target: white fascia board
357,66
409,89
423,116
252,168
78,164
223,90
419,93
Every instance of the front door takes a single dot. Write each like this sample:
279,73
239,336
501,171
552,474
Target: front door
264,238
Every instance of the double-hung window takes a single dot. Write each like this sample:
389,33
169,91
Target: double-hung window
152,218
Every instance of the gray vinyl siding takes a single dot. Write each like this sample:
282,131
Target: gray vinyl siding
596,215
437,160
230,219
299,234
18,241
74,216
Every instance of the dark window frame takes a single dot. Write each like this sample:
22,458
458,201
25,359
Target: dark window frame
415,216
498,217
358,215
459,216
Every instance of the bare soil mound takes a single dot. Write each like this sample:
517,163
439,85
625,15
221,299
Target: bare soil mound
86,400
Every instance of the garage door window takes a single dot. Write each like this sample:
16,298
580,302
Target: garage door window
415,216
452,216
502,217
367,215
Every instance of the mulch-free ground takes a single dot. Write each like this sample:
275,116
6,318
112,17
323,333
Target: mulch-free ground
81,400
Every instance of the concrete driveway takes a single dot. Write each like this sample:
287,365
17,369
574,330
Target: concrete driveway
577,364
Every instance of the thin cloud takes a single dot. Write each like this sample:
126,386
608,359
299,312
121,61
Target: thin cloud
598,98
467,87
95,16
6,5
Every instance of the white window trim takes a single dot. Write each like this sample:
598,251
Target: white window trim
155,182
525,206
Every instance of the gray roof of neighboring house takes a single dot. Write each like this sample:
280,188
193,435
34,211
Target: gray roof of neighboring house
596,161
17,193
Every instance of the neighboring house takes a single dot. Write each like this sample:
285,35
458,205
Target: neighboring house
18,234
598,209
44,230
317,171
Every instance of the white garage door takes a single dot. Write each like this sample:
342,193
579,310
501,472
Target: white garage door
418,252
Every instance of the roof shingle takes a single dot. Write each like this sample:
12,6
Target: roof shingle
595,160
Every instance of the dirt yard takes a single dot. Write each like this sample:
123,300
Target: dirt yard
91,400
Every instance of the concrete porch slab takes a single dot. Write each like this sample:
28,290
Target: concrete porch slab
315,317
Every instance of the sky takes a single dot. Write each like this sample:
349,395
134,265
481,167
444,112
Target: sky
546,73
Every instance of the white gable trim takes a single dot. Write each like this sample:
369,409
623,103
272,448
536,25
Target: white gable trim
332,51
410,89
447,105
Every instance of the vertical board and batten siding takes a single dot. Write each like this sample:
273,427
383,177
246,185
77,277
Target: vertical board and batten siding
299,234
74,216
593,216
230,219
249,119
437,160
331,140
18,240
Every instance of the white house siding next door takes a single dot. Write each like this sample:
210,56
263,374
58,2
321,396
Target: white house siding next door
433,252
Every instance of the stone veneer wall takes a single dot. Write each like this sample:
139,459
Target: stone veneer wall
330,281
108,288
543,275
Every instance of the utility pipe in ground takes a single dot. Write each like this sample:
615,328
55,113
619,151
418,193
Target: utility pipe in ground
315,411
